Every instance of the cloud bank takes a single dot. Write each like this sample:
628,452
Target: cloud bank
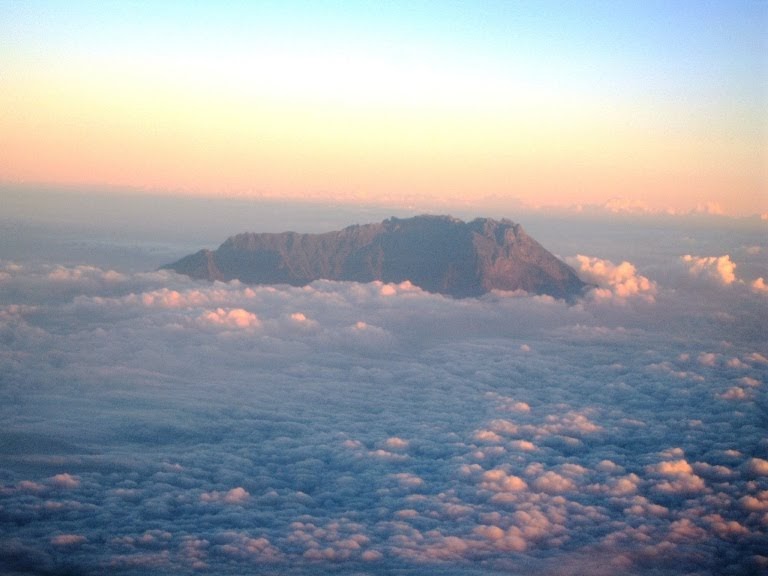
155,424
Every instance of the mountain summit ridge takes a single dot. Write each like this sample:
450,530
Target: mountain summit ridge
437,253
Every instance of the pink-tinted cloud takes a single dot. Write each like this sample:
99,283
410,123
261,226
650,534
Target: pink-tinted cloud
237,318
757,467
67,540
237,496
759,286
65,480
614,282
717,268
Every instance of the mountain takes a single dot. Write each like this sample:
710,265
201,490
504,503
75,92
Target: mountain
437,253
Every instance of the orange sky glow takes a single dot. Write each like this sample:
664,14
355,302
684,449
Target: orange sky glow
345,117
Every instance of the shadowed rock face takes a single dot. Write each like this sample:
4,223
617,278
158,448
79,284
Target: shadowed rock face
437,253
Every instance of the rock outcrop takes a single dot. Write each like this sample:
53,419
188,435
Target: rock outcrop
437,253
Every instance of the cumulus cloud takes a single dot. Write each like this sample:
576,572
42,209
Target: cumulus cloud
625,205
615,282
230,318
716,268
553,483
65,481
237,495
395,443
67,540
708,359
736,393
758,466
498,480
84,275
678,477
408,480
241,546
522,445
759,286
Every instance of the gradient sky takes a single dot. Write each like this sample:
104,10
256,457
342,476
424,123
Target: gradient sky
648,104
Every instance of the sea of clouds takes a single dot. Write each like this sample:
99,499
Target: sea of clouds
155,424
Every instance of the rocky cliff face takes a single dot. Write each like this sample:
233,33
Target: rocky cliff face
437,253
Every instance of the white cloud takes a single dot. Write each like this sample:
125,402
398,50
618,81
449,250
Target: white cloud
614,282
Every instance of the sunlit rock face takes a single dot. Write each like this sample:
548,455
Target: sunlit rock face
437,253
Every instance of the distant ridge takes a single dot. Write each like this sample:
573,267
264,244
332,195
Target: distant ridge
437,253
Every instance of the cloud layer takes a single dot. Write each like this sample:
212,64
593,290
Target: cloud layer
155,424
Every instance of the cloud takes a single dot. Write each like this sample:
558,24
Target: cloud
553,483
241,546
408,480
625,205
736,393
759,286
615,283
716,268
755,503
497,480
395,443
84,274
65,481
678,477
758,467
237,495
230,318
376,428
68,540
711,208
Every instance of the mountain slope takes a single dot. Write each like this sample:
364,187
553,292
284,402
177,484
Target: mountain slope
437,253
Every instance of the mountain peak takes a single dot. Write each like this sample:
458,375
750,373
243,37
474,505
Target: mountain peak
437,253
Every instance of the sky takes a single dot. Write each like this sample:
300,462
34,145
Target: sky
640,106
